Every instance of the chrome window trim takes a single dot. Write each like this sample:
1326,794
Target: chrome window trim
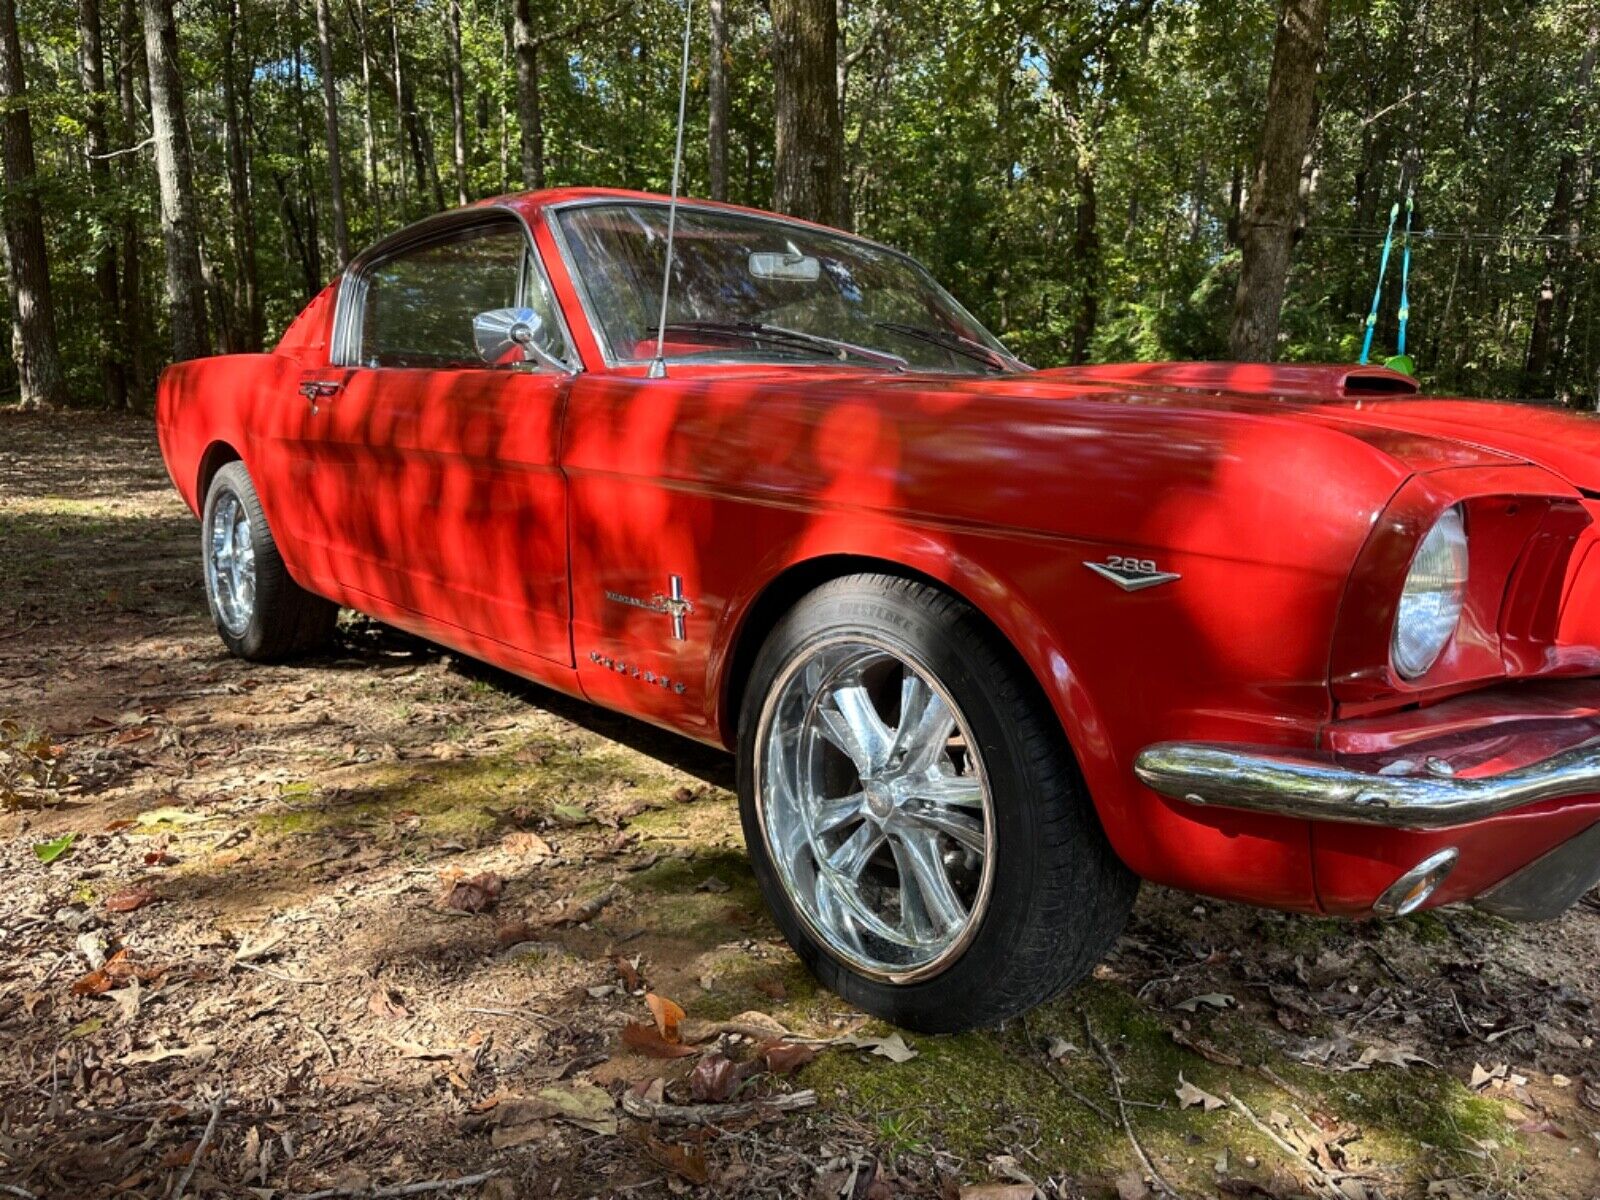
553,211
344,346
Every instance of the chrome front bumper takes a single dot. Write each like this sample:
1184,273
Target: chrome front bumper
1264,780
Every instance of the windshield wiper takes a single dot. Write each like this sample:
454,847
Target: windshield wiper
953,342
760,331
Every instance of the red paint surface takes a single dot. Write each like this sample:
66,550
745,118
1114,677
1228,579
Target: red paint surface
492,512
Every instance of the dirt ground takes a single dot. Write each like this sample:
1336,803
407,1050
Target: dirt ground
391,923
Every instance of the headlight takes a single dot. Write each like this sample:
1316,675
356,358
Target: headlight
1430,604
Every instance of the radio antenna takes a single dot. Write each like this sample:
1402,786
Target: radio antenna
658,365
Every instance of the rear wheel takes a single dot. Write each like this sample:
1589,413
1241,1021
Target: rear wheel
260,612
914,816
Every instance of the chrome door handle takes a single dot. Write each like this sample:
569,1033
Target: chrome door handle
321,389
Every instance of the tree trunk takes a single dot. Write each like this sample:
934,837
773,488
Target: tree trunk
1086,261
330,116
369,141
247,299
186,289
458,98
1269,225
92,73
400,123
808,162
717,114
1563,221
33,318
411,136
130,54
311,259
528,106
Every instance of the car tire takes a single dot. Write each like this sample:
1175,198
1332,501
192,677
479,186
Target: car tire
1048,897
260,612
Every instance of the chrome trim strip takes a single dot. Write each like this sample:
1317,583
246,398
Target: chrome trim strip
552,213
1551,883
344,339
1261,779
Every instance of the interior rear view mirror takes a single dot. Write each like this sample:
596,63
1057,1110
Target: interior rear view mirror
800,268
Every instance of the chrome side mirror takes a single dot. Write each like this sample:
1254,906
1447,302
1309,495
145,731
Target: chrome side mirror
499,331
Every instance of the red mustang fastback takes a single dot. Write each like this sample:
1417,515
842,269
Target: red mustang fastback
992,644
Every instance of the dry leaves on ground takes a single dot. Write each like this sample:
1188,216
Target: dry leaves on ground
474,893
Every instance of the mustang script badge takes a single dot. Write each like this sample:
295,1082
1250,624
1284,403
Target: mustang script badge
1131,574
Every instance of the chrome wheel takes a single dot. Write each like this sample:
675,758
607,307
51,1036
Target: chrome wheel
231,564
875,808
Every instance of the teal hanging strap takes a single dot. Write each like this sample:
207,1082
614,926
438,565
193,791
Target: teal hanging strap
1405,278
1377,292
1400,360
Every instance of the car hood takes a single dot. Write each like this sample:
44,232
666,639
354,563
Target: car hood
1367,400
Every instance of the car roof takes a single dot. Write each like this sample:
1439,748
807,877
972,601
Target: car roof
531,203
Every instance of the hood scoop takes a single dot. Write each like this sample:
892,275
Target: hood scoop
1319,382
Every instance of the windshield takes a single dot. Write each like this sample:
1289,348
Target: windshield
762,289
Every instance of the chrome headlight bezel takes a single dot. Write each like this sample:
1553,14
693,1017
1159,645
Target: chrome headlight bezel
1432,598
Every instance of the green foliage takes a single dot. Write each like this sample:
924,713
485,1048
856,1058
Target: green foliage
1071,171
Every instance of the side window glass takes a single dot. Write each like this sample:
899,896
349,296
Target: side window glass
419,306
536,295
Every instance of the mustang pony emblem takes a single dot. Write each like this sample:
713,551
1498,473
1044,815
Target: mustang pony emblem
676,605
1131,574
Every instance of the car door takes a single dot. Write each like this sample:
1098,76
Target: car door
432,491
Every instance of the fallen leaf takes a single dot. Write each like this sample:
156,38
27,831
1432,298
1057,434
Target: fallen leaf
475,893
386,1002
751,1023
631,979
997,1191
647,1040
714,1079
118,969
652,1091
667,1015
527,844
48,852
571,814
1210,999
1189,1096
1549,1127
893,1047
1061,1048
773,989
156,1054
713,884
1482,1076
685,1161
784,1058
1396,1056
515,933
576,1103
260,945
120,824
131,899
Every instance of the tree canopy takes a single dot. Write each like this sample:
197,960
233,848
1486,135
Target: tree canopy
1077,172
